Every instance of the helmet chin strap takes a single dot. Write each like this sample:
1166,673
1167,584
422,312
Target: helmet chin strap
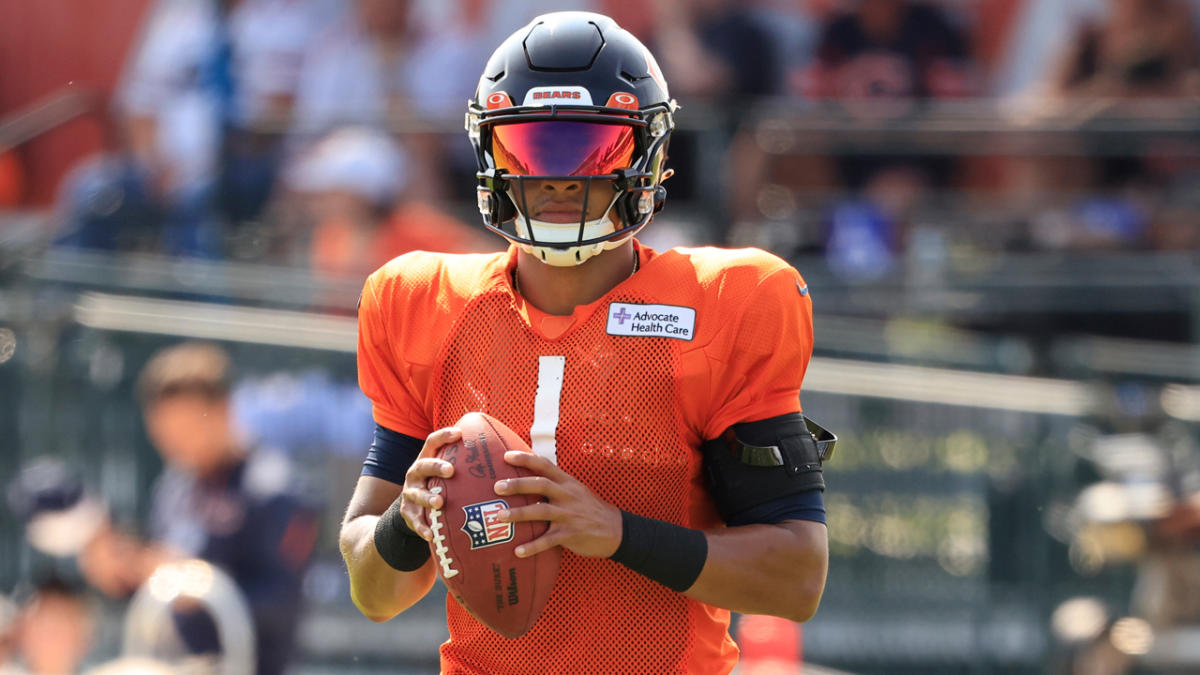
571,255
637,264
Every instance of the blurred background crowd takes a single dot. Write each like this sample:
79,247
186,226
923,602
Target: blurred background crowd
996,202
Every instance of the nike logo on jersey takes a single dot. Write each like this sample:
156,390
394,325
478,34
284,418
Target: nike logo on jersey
803,289
669,321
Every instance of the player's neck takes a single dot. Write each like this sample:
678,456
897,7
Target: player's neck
559,290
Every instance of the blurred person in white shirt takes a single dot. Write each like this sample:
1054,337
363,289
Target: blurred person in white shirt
204,88
382,66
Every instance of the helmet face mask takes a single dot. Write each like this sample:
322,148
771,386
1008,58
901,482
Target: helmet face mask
557,66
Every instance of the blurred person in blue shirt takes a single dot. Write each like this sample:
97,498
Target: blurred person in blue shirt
217,500
877,60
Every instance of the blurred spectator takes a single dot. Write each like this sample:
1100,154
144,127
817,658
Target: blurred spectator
54,630
205,98
1168,592
1139,505
796,25
380,67
356,184
1140,48
304,413
377,65
727,54
268,40
59,514
879,60
218,501
322,421
888,51
1125,53
171,109
719,50
862,241
1032,38
105,202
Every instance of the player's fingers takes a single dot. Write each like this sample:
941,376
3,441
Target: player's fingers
552,538
537,464
416,503
435,441
539,511
418,497
417,524
427,467
414,516
531,485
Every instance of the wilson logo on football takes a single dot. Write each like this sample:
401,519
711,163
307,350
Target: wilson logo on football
483,526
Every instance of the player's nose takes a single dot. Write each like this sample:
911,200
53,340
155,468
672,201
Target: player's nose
561,186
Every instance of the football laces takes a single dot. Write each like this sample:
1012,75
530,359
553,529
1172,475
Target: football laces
439,539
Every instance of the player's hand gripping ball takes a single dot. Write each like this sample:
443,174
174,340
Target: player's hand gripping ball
473,551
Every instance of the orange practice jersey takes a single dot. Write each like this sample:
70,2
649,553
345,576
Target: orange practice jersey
620,394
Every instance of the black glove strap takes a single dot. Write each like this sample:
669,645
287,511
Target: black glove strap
399,546
669,554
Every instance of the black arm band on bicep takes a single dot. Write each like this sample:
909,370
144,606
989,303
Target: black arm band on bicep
754,463
669,554
398,545
390,454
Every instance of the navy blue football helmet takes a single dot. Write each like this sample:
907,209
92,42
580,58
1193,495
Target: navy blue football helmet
571,97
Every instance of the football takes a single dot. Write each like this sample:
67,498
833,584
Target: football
474,552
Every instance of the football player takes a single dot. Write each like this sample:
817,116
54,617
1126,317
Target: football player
658,390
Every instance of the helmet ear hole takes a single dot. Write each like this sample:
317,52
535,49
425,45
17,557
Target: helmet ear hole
503,208
627,208
635,206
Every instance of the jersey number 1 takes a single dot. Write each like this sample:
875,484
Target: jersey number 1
546,406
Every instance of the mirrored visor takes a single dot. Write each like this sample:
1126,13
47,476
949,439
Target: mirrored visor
559,148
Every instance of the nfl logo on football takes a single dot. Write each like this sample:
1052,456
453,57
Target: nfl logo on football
482,525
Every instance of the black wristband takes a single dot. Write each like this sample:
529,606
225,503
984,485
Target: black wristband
669,554
398,545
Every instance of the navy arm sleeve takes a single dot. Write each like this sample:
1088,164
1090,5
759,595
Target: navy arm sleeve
391,454
807,505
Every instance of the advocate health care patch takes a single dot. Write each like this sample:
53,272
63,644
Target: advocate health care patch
669,321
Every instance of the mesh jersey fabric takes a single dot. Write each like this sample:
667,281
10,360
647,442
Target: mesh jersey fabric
442,335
